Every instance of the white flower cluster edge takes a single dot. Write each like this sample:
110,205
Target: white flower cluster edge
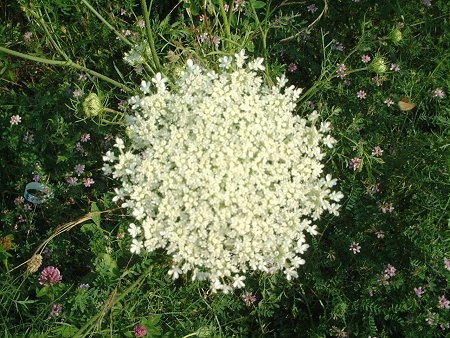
222,174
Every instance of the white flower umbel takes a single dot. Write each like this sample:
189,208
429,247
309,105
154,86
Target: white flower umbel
223,175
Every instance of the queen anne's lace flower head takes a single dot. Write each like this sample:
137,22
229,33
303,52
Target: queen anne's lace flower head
222,175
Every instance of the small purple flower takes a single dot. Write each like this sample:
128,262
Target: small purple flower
430,319
378,81
355,163
390,270
19,200
366,58
79,169
216,41
248,298
27,36
71,181
447,263
21,219
88,182
395,67
292,67
82,77
79,148
85,137
50,276
28,138
36,178
361,94
312,8
140,23
419,291
389,102
27,207
140,330
77,93
337,46
444,303
56,311
15,120
355,247
377,151
438,93
342,70
380,234
386,207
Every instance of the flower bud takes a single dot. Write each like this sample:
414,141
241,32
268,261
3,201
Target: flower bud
396,35
378,65
92,106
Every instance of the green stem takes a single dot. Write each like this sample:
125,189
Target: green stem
67,63
102,19
226,23
134,286
151,41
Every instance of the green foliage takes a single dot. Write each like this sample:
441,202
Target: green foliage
396,206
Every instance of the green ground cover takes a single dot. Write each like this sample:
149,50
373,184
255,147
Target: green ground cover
377,71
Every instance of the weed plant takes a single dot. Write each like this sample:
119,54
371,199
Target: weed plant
377,71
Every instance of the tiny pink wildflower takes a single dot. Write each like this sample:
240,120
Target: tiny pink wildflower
216,41
379,234
140,330
419,291
36,178
443,303
438,93
447,263
389,102
355,163
82,77
201,17
342,70
19,200
390,270
50,276
140,23
27,207
395,67
292,67
79,169
361,94
77,93
56,311
378,80
386,207
377,151
79,148
85,137
88,182
27,36
430,319
312,8
15,120
336,45
366,58
248,298
71,181
355,247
